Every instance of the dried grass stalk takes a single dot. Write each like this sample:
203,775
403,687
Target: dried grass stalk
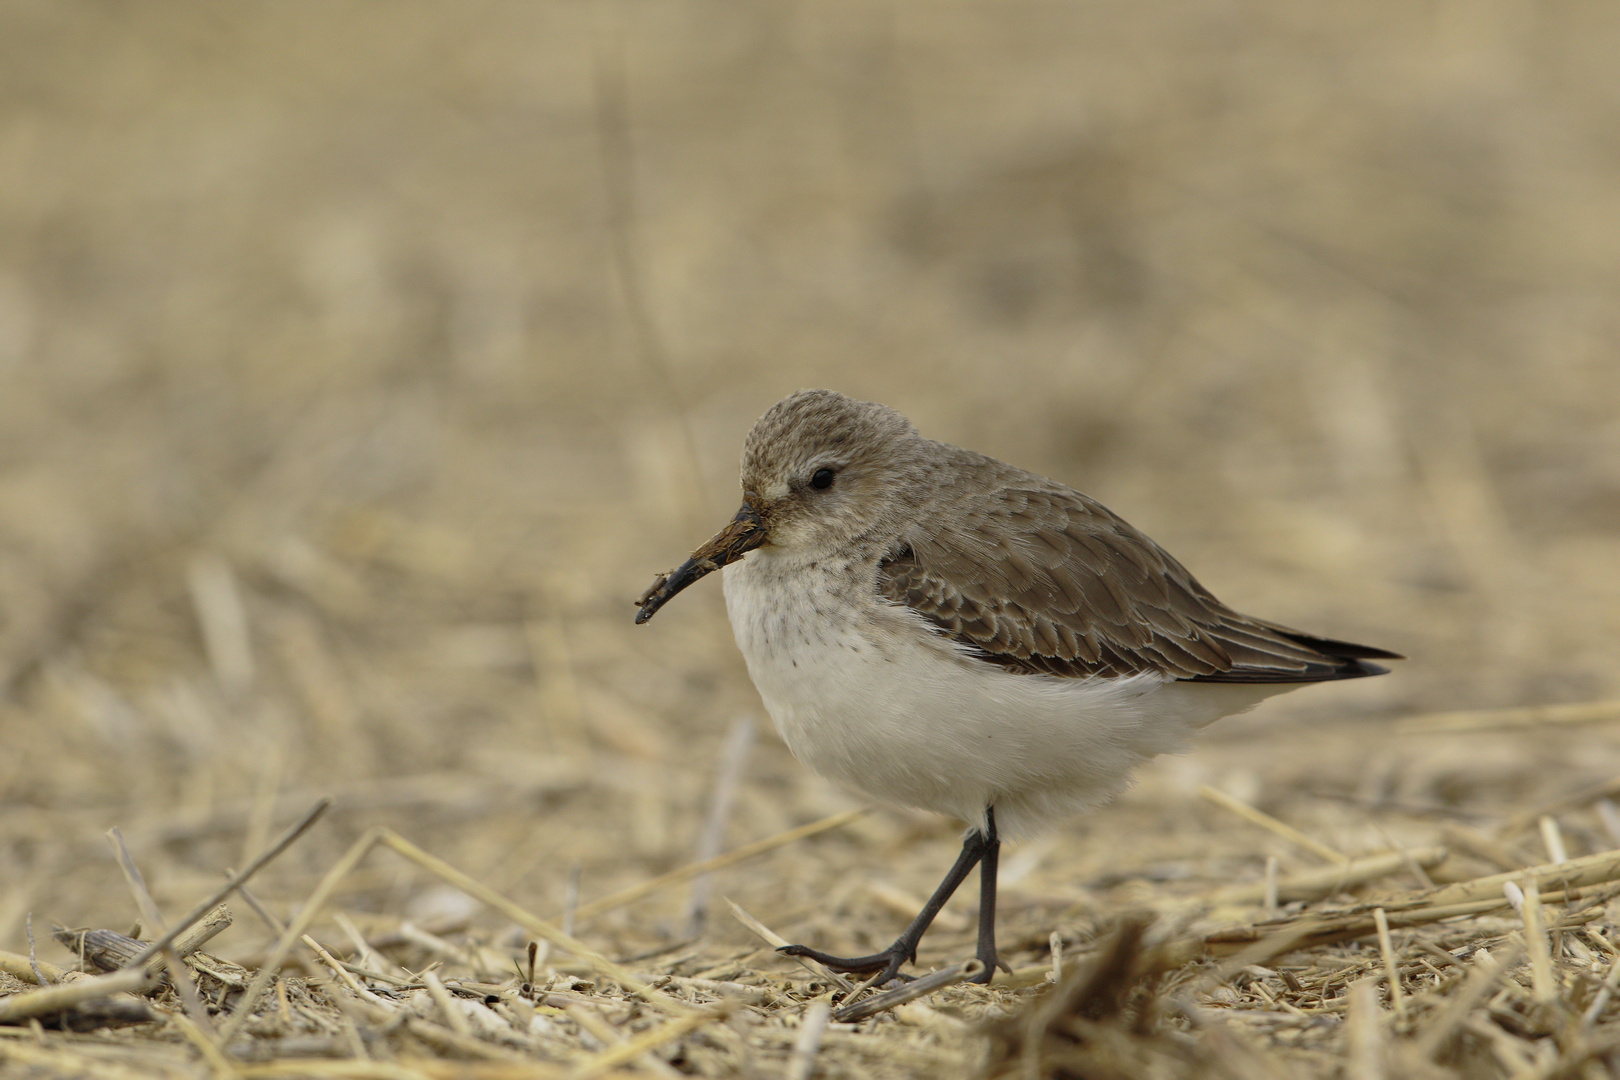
69,995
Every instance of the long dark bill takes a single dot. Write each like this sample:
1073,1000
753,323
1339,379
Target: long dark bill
745,533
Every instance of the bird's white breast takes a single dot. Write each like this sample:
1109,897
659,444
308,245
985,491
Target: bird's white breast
863,692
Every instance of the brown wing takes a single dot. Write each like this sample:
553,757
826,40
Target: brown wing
1037,577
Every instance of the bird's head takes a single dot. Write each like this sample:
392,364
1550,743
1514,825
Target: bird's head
819,472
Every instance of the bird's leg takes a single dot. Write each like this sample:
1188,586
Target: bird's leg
987,901
904,949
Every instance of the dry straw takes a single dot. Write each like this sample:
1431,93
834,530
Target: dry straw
1113,1011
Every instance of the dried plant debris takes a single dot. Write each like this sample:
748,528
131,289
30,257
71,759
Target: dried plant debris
1105,1019
79,1002
1501,975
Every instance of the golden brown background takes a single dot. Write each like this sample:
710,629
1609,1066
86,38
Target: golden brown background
360,362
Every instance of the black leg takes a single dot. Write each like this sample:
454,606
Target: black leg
975,847
987,902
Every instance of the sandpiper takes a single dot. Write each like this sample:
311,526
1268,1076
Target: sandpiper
938,629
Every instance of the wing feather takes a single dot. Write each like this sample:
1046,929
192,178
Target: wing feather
1036,577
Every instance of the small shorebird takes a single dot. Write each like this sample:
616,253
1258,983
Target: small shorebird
938,629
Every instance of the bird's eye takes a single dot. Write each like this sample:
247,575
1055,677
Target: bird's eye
822,479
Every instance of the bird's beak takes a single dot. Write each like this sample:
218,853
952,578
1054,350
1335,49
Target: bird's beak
745,533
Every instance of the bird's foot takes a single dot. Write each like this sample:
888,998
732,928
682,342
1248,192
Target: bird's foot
887,963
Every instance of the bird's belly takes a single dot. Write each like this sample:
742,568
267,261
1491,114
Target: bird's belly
878,704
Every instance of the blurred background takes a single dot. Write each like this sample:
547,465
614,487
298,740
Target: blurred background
360,363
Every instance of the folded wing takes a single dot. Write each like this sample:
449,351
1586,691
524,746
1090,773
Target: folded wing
1036,577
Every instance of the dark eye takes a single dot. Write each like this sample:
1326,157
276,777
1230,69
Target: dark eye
822,479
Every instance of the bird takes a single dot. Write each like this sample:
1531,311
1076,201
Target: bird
938,629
